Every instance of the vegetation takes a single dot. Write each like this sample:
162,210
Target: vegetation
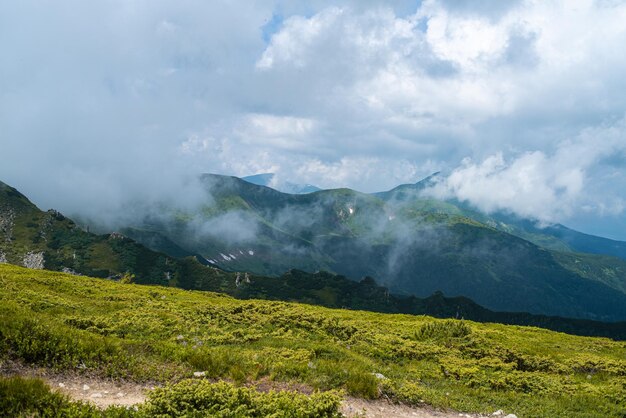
27,397
157,333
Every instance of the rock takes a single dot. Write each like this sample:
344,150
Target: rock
498,413
86,387
120,394
61,385
3,257
379,376
33,260
96,395
180,337
511,416
199,374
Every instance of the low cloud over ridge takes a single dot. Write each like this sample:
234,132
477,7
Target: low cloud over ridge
101,103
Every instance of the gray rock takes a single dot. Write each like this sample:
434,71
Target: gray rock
7,217
33,260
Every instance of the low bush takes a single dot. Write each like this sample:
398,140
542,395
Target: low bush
203,398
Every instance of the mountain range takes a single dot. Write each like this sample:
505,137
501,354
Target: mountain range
410,243
413,245
38,239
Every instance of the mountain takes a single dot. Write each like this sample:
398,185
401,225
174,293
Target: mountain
49,240
266,179
411,244
37,239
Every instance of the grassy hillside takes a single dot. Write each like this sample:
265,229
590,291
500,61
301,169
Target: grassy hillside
334,291
38,239
165,334
554,237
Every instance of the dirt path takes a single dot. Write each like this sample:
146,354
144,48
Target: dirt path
355,407
104,392
94,389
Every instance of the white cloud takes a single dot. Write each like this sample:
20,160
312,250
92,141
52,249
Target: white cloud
343,93
540,186
278,132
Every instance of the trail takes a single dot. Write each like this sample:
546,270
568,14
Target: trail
106,392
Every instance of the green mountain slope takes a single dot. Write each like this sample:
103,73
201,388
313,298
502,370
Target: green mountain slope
151,333
66,247
49,240
410,244
554,237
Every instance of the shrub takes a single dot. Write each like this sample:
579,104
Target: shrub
443,330
25,397
203,398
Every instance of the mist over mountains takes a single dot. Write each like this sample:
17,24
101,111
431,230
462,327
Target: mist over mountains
404,238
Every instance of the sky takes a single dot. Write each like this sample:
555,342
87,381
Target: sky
520,104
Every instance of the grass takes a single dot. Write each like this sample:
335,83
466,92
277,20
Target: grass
165,334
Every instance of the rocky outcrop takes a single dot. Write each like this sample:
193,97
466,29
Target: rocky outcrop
33,260
7,216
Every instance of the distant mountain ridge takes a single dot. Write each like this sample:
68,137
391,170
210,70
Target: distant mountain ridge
266,179
411,244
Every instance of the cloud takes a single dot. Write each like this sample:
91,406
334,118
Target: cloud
546,187
234,227
105,103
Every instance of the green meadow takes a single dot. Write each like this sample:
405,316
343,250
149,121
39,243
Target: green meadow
159,334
